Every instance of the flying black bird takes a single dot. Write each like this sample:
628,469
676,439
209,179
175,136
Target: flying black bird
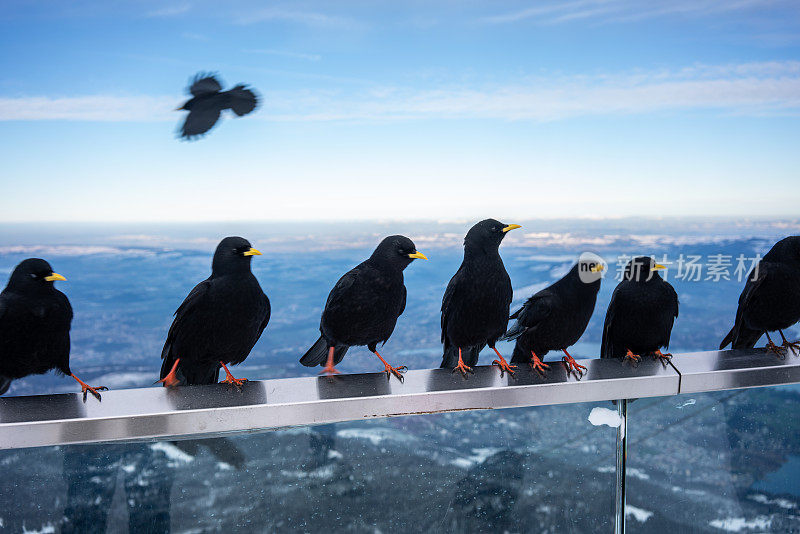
771,298
219,322
209,100
556,317
35,320
476,302
640,315
364,305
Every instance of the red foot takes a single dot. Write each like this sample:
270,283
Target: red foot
464,369
389,370
572,366
329,369
86,388
538,365
663,357
229,379
503,364
629,356
171,380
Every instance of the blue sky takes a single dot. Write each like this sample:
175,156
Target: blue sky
402,110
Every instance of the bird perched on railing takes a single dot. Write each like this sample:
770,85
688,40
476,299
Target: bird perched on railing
208,102
556,317
35,320
363,306
219,322
477,300
770,299
640,315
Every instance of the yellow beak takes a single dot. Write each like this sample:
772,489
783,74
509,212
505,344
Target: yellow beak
659,267
597,268
418,256
511,227
252,252
55,276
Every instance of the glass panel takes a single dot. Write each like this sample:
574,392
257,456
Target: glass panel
500,470
715,462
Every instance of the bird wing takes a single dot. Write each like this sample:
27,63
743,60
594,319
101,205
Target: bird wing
204,84
535,310
200,120
673,297
446,301
184,312
242,100
607,344
745,298
336,297
403,301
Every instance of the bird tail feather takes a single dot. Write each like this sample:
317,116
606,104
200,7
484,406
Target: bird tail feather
519,355
514,332
318,353
741,337
243,101
5,383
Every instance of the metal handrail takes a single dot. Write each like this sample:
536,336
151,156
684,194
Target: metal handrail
198,411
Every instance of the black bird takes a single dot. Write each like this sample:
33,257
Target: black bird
556,317
476,302
209,100
363,306
219,322
640,315
35,319
770,300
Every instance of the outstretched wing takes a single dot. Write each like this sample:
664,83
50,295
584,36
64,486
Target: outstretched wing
200,120
204,84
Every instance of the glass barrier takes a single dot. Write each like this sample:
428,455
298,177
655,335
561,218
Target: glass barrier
725,461
544,468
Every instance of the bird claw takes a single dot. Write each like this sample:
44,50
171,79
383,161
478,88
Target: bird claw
238,382
635,359
538,365
93,390
329,370
504,366
396,371
573,366
464,369
772,347
794,347
663,357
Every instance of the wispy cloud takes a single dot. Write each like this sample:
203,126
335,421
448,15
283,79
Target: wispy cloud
307,18
755,89
170,10
610,11
284,53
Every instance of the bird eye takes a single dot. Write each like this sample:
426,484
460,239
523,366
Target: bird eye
33,275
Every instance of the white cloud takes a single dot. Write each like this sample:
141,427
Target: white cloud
170,10
308,18
765,88
611,11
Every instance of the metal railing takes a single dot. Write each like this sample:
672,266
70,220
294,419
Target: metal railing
190,412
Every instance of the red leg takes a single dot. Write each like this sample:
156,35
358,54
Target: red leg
229,379
629,356
572,366
464,369
537,364
171,380
788,344
503,364
389,370
329,369
86,388
664,357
